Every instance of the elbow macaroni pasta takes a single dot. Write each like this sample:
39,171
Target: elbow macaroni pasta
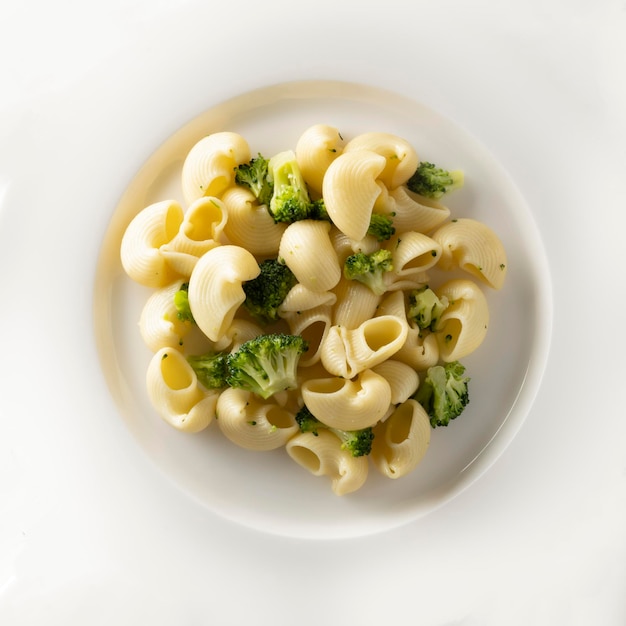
366,355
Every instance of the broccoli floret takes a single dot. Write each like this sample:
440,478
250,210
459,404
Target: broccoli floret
357,442
432,181
266,292
369,269
254,176
444,393
317,211
211,369
425,308
266,364
381,227
290,200
181,302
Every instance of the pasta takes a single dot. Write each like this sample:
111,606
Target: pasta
401,441
254,424
215,287
249,224
322,455
141,254
350,190
348,404
159,323
209,168
347,352
308,252
463,325
473,247
367,347
401,160
317,148
175,392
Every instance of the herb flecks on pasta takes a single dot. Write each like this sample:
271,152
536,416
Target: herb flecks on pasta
304,300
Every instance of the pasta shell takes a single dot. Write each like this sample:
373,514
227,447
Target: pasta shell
307,251
253,424
250,224
350,190
312,325
200,231
322,455
346,352
463,325
316,149
140,251
473,247
348,404
175,393
401,442
402,378
301,299
413,254
356,303
159,324
415,212
209,168
420,350
215,287
401,160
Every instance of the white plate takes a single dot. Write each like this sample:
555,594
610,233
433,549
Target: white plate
102,518
264,490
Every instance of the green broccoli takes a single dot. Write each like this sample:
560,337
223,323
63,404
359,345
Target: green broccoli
266,364
433,182
369,269
443,393
290,200
425,307
381,227
181,302
266,292
211,369
357,442
254,176
317,211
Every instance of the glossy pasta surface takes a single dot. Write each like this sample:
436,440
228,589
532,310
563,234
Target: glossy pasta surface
367,350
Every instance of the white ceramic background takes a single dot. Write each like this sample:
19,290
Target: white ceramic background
91,531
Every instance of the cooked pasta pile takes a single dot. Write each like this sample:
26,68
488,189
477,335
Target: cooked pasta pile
366,355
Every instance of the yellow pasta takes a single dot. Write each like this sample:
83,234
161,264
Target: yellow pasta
350,190
366,352
209,168
313,325
474,247
401,442
402,378
413,254
317,147
307,251
159,324
348,404
463,325
200,230
252,423
176,394
415,212
322,455
140,251
346,352
355,304
401,160
249,224
215,287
